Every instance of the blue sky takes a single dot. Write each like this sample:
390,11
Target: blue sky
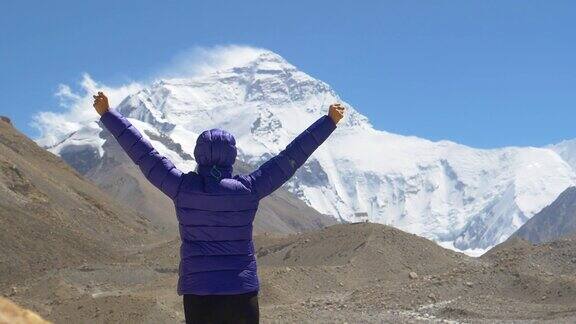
482,73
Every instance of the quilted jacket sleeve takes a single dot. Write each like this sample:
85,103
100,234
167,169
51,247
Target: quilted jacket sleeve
157,168
276,171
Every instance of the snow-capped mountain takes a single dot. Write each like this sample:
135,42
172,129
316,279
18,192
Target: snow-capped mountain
464,198
567,150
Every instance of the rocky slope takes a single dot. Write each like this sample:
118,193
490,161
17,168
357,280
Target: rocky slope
51,217
466,198
553,222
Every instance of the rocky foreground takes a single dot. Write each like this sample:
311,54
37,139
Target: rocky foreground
11,313
344,273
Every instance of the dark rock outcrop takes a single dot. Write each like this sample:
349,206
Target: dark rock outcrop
556,221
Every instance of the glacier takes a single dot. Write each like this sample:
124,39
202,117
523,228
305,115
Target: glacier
463,198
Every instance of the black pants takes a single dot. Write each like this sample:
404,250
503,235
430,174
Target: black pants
220,309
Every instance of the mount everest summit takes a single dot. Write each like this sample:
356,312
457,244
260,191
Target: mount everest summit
464,198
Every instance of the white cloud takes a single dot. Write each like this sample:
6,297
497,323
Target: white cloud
76,107
78,110
206,60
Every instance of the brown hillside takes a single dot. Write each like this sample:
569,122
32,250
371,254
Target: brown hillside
50,217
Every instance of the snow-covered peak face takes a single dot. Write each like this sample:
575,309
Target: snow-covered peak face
264,86
266,61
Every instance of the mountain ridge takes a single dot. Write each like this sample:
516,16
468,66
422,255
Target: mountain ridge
554,222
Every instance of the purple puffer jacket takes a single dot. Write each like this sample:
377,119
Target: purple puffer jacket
215,210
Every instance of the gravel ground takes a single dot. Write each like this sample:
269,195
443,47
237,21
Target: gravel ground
353,273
